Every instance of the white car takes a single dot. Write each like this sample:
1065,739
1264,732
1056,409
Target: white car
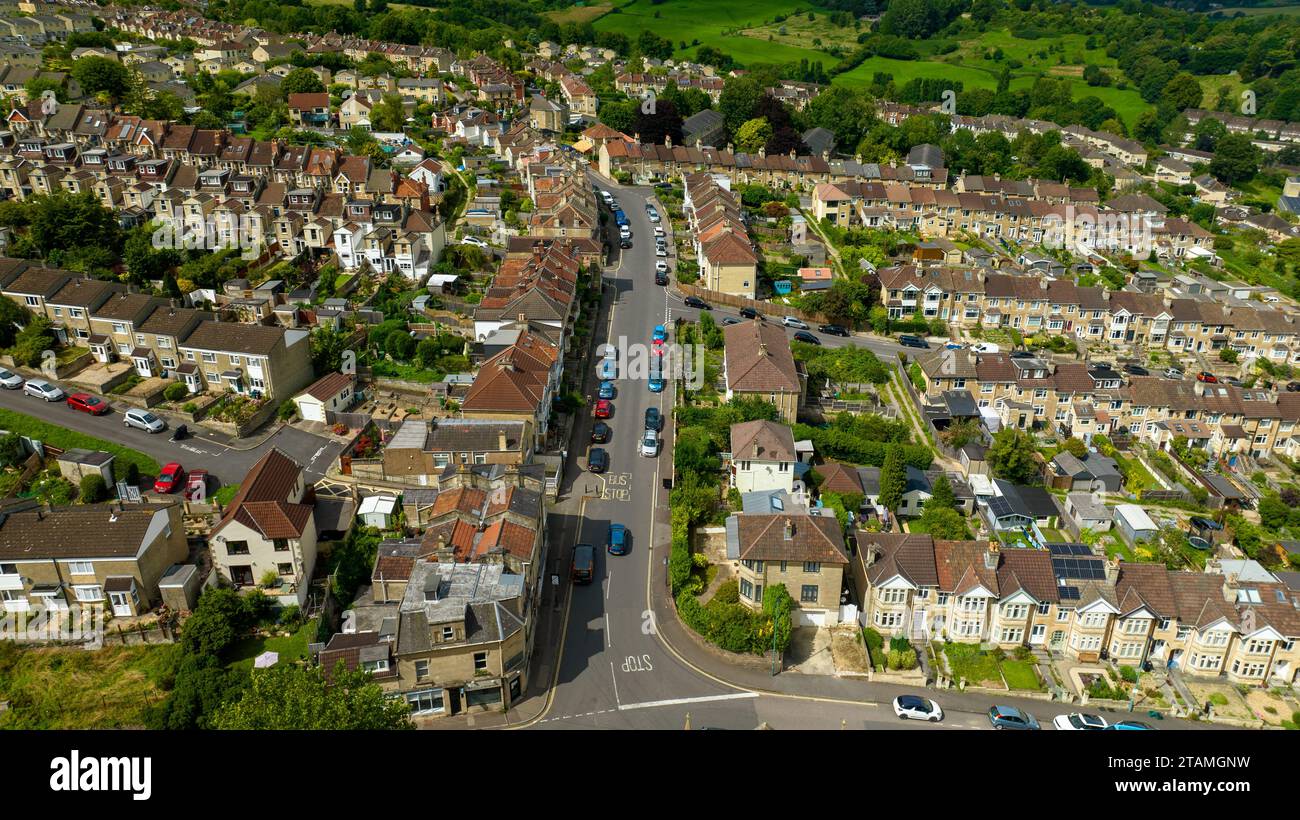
797,324
10,380
650,444
143,420
659,231
661,266
914,707
44,390
661,251
475,241
1079,721
985,347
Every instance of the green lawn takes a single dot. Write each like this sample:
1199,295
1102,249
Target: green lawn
61,437
292,648
1021,675
967,661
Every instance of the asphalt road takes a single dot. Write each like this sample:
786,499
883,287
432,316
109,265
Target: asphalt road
227,464
614,671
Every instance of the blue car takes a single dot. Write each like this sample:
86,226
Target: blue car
607,390
660,334
656,385
607,370
1130,725
617,539
1009,717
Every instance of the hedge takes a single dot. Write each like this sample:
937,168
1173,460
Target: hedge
732,626
66,439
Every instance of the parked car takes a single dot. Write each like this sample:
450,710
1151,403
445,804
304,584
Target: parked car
1207,377
912,707
42,389
913,341
604,409
661,277
606,390
597,460
1291,387
607,370
1009,717
1173,373
985,347
617,544
196,487
87,403
659,231
1079,721
10,380
806,337
750,313
1232,380
143,420
790,321
625,242
696,302
600,432
650,443
661,265
834,330
661,251
1136,370
169,478
1130,725
475,241
660,333
583,568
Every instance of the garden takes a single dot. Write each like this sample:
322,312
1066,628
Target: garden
991,669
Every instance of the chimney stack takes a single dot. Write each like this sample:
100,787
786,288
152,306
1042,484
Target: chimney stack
501,440
789,530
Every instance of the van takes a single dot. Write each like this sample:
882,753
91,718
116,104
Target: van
583,568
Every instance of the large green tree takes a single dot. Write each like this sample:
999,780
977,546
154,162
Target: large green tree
1011,456
301,81
298,697
102,75
738,102
893,479
1236,159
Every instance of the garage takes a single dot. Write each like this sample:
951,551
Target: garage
814,617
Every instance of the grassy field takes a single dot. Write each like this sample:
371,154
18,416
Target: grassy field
719,23
75,689
579,14
57,436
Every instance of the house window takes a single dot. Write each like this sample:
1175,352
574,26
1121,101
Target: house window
480,661
746,589
236,548
811,566
893,596
210,358
421,670
376,666
448,633
425,703
1012,635
81,568
89,593
889,619
942,599
284,569
808,593
33,301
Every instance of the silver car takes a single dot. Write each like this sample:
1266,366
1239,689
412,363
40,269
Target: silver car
650,444
44,390
10,380
143,420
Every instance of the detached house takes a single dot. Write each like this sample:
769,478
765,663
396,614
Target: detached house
758,363
805,552
762,457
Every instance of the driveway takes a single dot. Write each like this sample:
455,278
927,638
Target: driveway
810,651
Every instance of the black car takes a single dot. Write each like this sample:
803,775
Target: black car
653,421
1136,370
750,313
1293,387
661,278
731,320
600,432
806,337
625,243
584,564
834,330
914,341
597,460
696,302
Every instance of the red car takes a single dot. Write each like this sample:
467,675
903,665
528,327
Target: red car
170,478
87,403
1207,377
604,409
196,487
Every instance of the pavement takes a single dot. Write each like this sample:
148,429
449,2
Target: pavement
612,654
225,458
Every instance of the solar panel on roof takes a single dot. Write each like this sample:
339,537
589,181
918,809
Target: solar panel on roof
1069,594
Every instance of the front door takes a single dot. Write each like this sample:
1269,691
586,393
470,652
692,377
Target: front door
121,602
1037,634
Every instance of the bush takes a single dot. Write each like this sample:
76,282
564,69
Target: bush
190,407
175,392
93,489
899,644
287,410
1129,674
901,659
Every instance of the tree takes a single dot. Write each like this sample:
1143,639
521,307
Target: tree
327,348
941,494
753,135
1273,512
93,489
102,75
297,697
1011,457
1182,92
388,114
944,523
65,221
738,101
12,315
913,19
220,618
1236,159
693,451
32,341
893,478
145,262
663,123
12,450
301,81
1076,447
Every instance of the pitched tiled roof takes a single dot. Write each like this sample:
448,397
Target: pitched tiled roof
758,359
762,441
89,531
810,538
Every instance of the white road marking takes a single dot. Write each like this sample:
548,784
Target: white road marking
615,679
624,707
609,644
